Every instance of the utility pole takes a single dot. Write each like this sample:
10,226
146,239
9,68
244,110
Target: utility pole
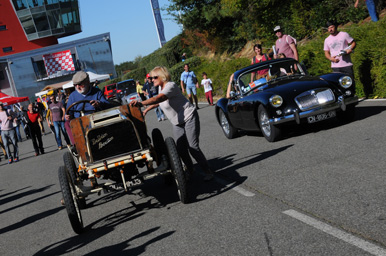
158,21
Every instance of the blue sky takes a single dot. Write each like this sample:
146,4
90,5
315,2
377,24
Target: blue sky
130,23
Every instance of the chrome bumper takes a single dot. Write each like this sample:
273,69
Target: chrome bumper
340,104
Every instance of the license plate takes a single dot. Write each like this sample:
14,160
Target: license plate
134,182
321,117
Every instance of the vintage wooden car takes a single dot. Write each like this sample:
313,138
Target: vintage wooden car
113,145
265,96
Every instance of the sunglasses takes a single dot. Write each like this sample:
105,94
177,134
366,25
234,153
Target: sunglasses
153,77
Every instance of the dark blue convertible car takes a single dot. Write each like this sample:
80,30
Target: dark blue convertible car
265,96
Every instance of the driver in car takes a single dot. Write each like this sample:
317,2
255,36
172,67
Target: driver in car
84,91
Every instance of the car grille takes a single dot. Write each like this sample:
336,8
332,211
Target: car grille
314,98
112,140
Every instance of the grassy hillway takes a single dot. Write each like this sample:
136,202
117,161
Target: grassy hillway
368,58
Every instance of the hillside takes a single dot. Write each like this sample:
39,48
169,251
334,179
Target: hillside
369,59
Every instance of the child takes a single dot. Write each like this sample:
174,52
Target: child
207,83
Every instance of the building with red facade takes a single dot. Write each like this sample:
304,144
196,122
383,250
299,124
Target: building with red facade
30,56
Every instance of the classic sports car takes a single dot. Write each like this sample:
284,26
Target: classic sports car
265,96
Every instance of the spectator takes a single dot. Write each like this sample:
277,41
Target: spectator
208,87
36,135
16,124
337,49
146,86
152,92
285,44
259,57
8,133
183,116
24,121
189,79
371,7
139,90
57,113
41,110
183,57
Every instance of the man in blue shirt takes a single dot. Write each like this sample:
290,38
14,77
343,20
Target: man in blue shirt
189,79
84,91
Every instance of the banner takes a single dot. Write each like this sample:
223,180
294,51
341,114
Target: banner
58,61
158,21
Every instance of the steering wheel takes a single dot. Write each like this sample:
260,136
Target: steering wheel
84,102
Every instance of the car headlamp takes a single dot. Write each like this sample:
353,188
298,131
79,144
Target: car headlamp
276,101
345,81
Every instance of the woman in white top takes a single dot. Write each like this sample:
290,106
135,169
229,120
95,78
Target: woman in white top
182,114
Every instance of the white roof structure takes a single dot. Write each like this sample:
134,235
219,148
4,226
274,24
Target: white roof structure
93,78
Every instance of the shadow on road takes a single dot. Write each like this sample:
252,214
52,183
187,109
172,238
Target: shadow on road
30,220
21,195
102,227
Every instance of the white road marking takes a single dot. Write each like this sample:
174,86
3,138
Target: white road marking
348,238
238,189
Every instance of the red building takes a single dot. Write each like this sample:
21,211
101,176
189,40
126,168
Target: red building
32,24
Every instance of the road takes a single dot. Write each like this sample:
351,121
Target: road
319,191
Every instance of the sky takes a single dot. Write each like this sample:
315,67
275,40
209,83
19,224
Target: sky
130,23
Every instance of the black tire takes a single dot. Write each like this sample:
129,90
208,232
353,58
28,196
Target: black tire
70,200
270,131
178,171
69,163
229,131
346,116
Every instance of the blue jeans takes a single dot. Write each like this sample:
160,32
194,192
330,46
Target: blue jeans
371,7
10,134
17,129
59,125
160,113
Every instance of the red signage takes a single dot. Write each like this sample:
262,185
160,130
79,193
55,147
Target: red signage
58,61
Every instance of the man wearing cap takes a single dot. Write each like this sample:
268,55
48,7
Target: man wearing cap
285,44
84,91
337,49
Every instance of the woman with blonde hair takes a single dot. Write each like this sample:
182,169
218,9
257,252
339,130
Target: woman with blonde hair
182,114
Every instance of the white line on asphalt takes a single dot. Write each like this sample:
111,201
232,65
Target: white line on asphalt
348,238
238,189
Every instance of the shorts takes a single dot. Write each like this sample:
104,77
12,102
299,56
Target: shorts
190,90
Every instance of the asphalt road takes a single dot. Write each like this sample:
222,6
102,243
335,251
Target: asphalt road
319,191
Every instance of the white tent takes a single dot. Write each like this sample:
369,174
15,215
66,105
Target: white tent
93,78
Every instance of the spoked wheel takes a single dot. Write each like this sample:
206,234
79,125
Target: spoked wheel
229,131
70,200
178,172
270,132
69,163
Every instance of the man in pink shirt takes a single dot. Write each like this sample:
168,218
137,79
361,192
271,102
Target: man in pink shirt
8,133
337,48
285,44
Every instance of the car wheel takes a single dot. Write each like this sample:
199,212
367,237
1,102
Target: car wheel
229,131
178,171
270,132
346,116
70,200
69,163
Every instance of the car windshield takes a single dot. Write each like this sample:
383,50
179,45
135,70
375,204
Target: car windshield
110,87
126,85
260,77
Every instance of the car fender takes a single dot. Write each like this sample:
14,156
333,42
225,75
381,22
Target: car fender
221,104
